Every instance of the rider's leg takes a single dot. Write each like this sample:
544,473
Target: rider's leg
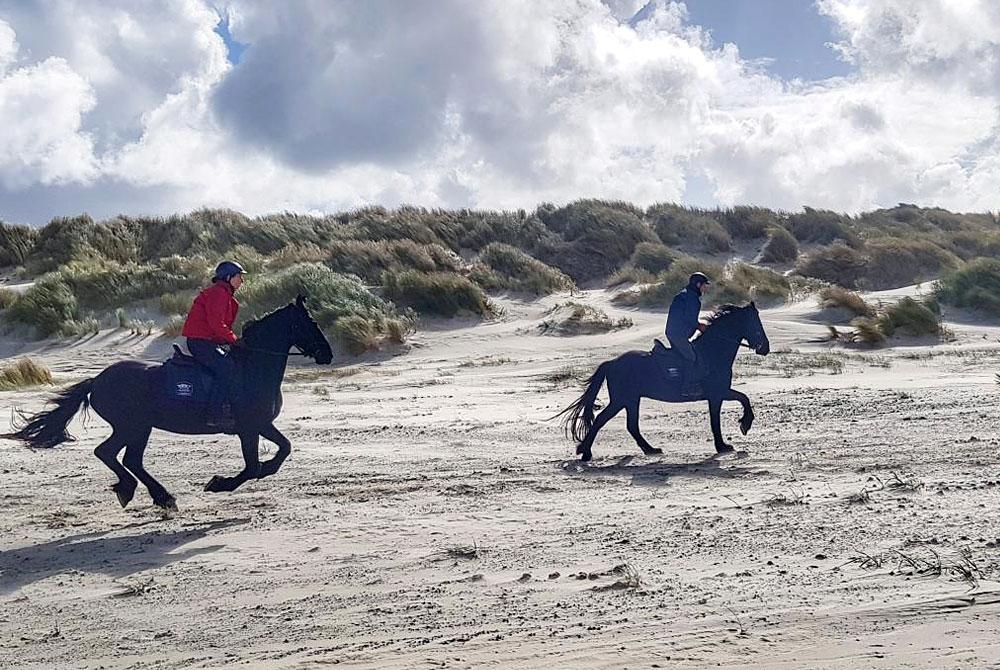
683,347
222,368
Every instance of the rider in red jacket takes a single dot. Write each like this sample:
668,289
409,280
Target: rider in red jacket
209,324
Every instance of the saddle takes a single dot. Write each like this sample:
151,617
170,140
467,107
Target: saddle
675,369
186,380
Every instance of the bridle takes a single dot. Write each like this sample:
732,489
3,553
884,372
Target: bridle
247,347
738,341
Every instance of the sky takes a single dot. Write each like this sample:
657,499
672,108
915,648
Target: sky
153,107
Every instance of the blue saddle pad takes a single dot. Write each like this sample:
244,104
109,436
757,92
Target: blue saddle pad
186,380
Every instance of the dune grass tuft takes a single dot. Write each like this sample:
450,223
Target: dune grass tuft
503,267
25,373
835,297
974,286
573,318
441,293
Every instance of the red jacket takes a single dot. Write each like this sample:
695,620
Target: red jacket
212,315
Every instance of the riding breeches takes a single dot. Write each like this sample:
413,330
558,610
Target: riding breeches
222,367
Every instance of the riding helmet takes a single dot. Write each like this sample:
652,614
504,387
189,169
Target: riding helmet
226,270
699,278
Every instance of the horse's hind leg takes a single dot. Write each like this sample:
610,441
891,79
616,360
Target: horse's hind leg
606,415
136,442
108,451
249,443
633,429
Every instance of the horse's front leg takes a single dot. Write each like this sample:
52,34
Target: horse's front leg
272,434
746,421
715,415
249,443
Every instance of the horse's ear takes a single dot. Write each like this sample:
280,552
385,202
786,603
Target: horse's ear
300,300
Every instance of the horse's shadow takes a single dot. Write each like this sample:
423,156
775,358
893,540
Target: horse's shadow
655,473
95,552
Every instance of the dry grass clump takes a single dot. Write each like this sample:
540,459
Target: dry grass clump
48,306
294,254
910,317
341,305
7,297
25,373
16,243
781,247
441,293
503,267
573,318
761,284
178,303
590,239
975,285
630,275
689,229
370,259
835,297
652,257
819,226
837,264
895,262
173,326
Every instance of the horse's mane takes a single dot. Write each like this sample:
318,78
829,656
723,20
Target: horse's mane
253,324
722,311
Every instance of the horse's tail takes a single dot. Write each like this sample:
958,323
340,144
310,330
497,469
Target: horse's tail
48,428
580,415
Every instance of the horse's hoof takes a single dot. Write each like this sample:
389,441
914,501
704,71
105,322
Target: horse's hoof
169,503
655,451
214,484
586,456
124,493
724,449
745,425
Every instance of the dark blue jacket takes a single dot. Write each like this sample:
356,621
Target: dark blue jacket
682,319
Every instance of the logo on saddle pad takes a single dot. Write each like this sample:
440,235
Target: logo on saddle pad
186,381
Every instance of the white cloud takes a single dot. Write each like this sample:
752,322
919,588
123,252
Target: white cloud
494,104
41,108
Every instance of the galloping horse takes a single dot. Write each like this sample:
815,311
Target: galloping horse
639,374
130,396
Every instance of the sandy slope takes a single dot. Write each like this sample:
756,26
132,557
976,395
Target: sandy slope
430,517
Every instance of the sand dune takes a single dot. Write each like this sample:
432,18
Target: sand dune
431,517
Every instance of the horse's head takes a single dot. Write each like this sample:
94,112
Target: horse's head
737,324
306,333
754,333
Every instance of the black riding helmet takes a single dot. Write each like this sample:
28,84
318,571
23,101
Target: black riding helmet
226,270
698,278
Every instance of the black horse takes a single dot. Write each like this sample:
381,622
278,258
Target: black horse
639,374
131,396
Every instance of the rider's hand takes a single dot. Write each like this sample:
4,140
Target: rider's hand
702,327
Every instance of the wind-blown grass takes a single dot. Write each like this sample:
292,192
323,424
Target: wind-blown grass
441,293
25,373
340,304
974,286
503,267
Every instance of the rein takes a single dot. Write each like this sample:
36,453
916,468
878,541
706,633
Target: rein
247,347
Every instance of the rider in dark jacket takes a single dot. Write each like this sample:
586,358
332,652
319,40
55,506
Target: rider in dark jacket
682,320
